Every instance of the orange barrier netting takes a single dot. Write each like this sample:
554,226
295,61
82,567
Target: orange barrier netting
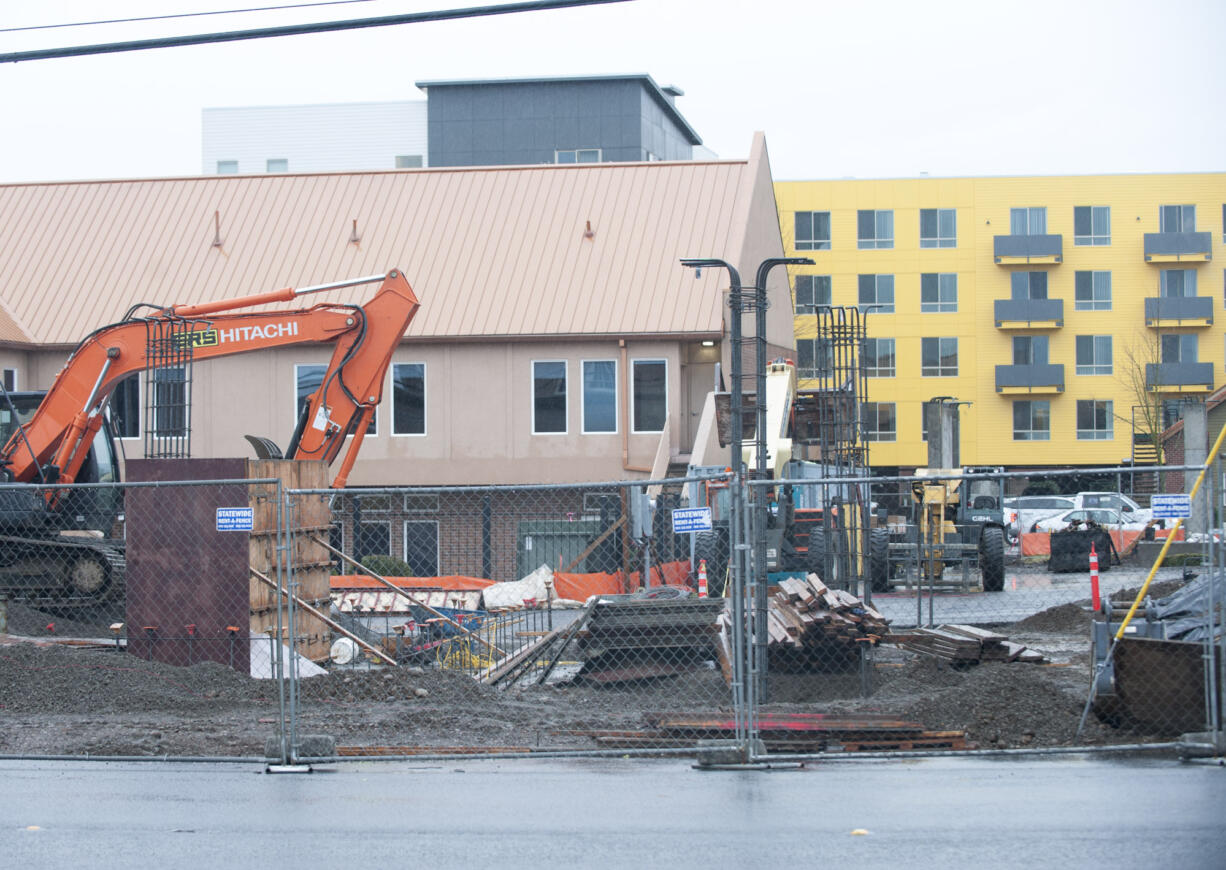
571,586
454,582
1039,543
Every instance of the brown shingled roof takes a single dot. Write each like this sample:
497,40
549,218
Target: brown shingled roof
490,251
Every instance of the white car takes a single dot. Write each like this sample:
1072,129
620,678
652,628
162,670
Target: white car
1022,512
1104,517
1115,501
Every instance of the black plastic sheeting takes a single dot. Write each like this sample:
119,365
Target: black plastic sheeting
1070,549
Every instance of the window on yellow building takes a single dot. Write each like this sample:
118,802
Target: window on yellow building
1092,225
878,421
1177,219
938,292
1092,291
939,357
812,231
1028,221
879,357
1030,350
1094,355
1177,282
814,358
1029,285
938,228
1032,421
1094,420
878,291
874,228
812,292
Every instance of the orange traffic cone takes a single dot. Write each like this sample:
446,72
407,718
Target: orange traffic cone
702,578
1094,600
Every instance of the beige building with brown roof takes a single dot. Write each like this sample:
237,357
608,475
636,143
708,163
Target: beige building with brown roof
542,278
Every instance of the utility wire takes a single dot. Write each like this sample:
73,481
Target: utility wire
178,15
297,29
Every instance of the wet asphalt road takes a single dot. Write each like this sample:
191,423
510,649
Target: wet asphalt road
1070,811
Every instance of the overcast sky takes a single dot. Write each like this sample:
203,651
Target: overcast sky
858,89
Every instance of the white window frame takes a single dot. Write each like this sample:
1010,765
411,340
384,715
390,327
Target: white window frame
1093,239
1031,434
583,399
575,152
881,308
371,432
140,407
425,399
1094,303
1094,366
1187,282
1035,220
821,347
410,509
404,544
565,395
942,305
223,167
939,240
875,433
387,525
1187,215
878,241
812,280
939,370
813,243
881,371
633,377
268,164
1096,434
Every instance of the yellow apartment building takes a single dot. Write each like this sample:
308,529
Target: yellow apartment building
1066,310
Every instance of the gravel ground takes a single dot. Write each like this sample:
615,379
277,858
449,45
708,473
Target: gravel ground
64,699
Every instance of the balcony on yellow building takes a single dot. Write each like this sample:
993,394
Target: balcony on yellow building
1178,311
1178,247
1022,250
1033,378
1029,313
1179,377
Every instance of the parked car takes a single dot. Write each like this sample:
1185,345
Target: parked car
1022,512
1114,501
1104,517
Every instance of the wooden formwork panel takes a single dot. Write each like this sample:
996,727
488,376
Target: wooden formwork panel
311,563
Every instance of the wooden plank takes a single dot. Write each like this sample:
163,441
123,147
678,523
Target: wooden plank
974,633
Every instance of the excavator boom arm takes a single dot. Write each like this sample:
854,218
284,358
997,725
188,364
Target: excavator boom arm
61,430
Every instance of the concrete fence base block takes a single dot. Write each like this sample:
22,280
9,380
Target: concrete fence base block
308,746
1203,744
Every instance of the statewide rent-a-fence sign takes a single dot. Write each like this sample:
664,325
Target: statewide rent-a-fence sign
235,519
697,519
1171,507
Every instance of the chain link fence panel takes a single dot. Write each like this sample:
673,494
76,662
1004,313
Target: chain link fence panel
988,610
511,619
142,619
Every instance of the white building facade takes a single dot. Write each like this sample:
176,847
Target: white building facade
328,137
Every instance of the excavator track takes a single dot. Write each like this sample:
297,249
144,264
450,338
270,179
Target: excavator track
63,572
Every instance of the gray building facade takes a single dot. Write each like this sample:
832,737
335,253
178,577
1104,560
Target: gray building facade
596,119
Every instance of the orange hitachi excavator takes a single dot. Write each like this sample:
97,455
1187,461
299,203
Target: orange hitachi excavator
48,439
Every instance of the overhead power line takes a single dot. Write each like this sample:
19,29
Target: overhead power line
298,29
178,15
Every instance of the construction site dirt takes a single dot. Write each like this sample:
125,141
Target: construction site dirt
91,699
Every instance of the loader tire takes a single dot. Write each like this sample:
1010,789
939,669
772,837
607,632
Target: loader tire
992,558
879,560
710,546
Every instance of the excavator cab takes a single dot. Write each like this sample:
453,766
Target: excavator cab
23,506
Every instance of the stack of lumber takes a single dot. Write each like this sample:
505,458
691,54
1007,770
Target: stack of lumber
805,614
783,732
966,644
